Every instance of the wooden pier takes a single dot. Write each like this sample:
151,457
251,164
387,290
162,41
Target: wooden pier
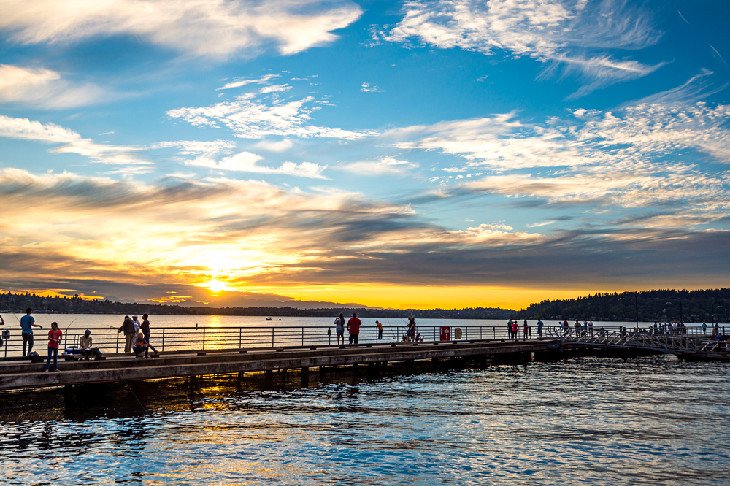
23,375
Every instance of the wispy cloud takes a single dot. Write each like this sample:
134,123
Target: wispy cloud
249,162
384,165
557,31
259,115
245,82
698,88
215,28
44,88
367,87
69,142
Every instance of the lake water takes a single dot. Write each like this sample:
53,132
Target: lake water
603,421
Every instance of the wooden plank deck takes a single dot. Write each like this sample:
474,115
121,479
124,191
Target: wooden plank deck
18,375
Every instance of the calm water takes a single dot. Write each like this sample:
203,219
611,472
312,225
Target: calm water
651,420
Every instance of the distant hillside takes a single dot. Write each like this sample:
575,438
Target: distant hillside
17,303
651,305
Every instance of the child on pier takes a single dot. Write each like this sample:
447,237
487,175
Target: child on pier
54,337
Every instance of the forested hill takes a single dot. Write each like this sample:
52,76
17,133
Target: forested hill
17,302
651,305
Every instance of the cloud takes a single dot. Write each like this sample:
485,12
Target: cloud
259,115
245,82
218,155
274,145
249,162
68,141
499,142
366,87
698,88
215,28
251,233
385,165
642,157
44,88
557,31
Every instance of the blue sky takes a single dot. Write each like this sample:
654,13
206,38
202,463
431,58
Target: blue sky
494,152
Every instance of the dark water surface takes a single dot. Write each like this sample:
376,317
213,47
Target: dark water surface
649,421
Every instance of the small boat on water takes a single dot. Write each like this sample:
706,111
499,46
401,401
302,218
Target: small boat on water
269,319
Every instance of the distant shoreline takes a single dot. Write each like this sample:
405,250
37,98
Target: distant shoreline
644,306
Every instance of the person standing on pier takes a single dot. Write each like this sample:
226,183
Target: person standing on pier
27,323
127,328
539,328
2,322
54,338
353,326
515,328
340,328
379,325
525,330
145,328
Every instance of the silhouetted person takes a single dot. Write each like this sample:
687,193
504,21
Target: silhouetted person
127,328
145,328
340,328
86,343
54,339
27,323
353,326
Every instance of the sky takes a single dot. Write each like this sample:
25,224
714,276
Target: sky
410,154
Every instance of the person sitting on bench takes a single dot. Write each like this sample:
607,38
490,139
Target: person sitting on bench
86,344
140,345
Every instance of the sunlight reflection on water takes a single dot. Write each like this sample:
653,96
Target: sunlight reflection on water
587,420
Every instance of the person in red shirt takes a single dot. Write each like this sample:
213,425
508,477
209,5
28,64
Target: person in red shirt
353,326
54,338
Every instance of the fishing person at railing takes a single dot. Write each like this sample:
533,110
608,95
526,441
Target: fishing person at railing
412,329
86,343
379,325
539,328
145,328
54,337
127,328
27,323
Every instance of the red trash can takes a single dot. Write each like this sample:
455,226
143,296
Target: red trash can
445,333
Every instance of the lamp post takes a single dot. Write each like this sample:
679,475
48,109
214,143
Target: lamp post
681,315
636,306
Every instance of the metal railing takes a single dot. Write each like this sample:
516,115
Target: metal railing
167,339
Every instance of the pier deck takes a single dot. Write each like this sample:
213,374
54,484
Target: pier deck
18,375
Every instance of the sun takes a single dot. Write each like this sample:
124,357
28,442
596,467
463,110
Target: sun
216,286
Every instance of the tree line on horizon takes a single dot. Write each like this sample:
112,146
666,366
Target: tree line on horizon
646,306
18,302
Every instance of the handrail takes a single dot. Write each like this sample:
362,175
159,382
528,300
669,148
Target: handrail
206,338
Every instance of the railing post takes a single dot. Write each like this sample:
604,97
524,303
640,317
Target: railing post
494,332
203,339
240,333
302,336
272,337
163,340
117,351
